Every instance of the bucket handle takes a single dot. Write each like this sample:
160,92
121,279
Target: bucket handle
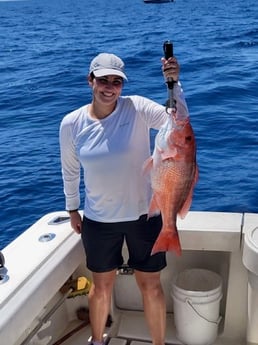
189,302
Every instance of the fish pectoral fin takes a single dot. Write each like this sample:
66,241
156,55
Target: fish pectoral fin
169,154
167,241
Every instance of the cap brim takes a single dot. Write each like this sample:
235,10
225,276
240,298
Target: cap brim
108,71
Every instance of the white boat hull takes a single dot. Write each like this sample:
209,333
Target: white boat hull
34,311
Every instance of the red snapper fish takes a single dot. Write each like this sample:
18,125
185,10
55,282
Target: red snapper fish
174,173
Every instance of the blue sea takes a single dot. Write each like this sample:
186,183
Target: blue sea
45,50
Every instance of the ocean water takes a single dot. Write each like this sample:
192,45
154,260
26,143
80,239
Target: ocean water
45,49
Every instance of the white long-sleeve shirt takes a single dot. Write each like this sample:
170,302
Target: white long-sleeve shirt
111,152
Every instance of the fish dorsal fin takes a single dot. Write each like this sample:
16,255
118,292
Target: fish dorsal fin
153,208
187,204
185,208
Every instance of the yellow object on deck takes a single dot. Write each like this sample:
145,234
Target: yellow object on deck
80,286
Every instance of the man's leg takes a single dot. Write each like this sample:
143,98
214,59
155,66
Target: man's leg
154,304
99,302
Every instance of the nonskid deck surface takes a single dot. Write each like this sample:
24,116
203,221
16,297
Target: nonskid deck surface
82,339
132,330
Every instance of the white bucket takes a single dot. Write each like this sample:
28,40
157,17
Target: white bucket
196,295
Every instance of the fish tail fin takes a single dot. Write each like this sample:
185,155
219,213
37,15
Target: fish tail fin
167,241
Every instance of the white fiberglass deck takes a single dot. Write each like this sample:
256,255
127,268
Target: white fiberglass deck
133,323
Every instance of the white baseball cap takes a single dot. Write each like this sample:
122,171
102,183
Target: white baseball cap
107,64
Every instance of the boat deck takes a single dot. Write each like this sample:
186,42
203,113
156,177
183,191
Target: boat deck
132,331
37,310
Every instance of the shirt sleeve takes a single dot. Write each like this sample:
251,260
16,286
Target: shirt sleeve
70,165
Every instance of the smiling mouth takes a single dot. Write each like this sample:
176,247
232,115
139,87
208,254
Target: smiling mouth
108,94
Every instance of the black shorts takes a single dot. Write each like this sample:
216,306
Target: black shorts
103,244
